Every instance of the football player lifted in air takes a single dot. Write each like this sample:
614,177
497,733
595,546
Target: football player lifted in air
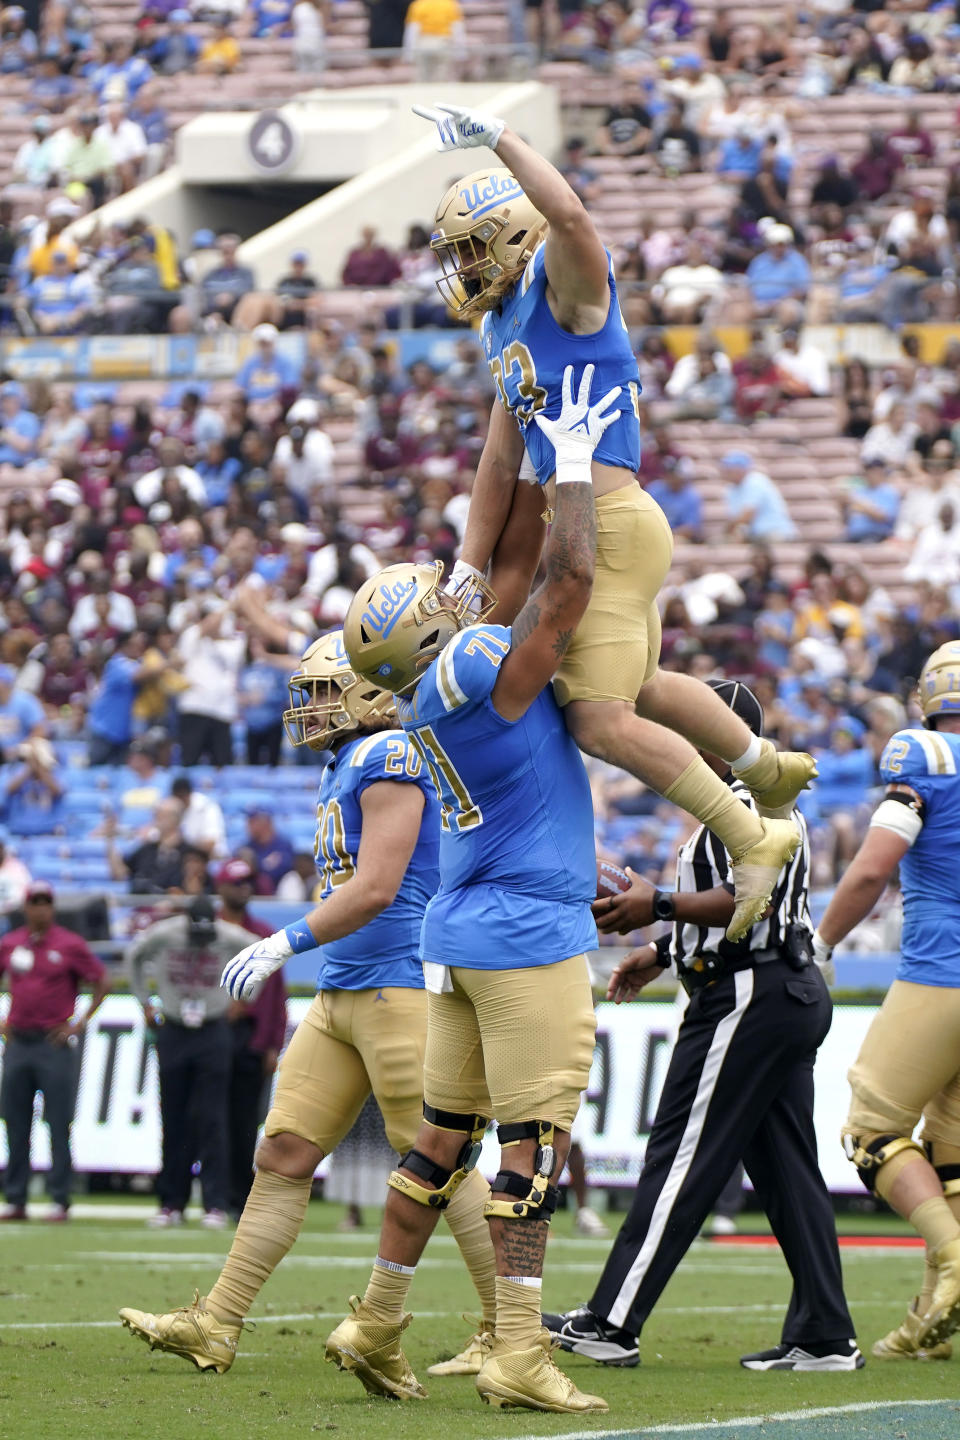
909,1062
378,832
517,247
510,1023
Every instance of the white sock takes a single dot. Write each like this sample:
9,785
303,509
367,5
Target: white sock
749,757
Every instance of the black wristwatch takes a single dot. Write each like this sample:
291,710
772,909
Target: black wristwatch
664,906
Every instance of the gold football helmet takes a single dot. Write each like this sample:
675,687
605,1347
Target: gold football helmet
399,621
486,231
327,698
939,688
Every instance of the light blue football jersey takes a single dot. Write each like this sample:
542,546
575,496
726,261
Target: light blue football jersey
527,352
929,762
517,858
386,951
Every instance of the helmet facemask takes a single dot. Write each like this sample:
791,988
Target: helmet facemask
486,231
473,280
328,700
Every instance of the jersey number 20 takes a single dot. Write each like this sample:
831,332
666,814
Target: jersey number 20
331,848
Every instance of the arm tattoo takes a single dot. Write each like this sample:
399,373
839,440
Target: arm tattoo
573,539
561,641
526,622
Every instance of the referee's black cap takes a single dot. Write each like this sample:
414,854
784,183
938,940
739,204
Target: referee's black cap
742,701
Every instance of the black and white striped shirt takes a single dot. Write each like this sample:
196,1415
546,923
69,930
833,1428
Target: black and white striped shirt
703,864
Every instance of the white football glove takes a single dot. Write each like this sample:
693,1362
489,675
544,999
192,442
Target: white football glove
459,575
460,129
576,431
244,975
823,958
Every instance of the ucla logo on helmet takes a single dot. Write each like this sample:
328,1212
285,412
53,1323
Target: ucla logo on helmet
384,611
385,670
485,195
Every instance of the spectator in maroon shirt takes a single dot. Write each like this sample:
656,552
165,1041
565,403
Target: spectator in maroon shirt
913,144
258,1027
44,965
64,681
876,169
391,453
370,263
757,383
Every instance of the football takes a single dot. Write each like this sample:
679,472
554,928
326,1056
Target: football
611,880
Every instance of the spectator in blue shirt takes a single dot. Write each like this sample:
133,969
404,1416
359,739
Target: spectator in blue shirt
679,498
871,504
146,111
219,473
273,853
263,698
739,157
267,373
846,770
775,627
120,65
60,302
19,427
33,802
18,45
111,709
271,17
192,555
225,285
755,508
21,715
50,89
176,49
779,277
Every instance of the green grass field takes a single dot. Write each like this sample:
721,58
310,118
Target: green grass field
68,1369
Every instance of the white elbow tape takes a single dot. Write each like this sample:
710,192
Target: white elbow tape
891,815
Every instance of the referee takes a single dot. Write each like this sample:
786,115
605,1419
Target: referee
739,1085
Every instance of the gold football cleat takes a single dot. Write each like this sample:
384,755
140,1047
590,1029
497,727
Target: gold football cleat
777,778
470,1359
531,1380
370,1349
902,1343
755,873
191,1332
943,1316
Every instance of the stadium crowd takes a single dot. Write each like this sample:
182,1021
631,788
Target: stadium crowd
167,551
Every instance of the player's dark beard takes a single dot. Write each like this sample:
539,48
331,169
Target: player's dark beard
372,726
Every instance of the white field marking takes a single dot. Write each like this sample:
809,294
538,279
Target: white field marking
714,1427
260,1320
175,1258
435,1315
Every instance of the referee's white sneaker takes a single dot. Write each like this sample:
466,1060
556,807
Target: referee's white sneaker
833,1355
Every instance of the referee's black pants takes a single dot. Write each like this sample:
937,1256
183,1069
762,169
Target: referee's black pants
739,1084
194,1071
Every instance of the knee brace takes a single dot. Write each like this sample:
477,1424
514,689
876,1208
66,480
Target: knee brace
870,1153
536,1198
945,1159
444,1182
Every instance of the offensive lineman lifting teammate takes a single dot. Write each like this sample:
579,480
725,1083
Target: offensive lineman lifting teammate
517,246
909,1062
510,1021
378,829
